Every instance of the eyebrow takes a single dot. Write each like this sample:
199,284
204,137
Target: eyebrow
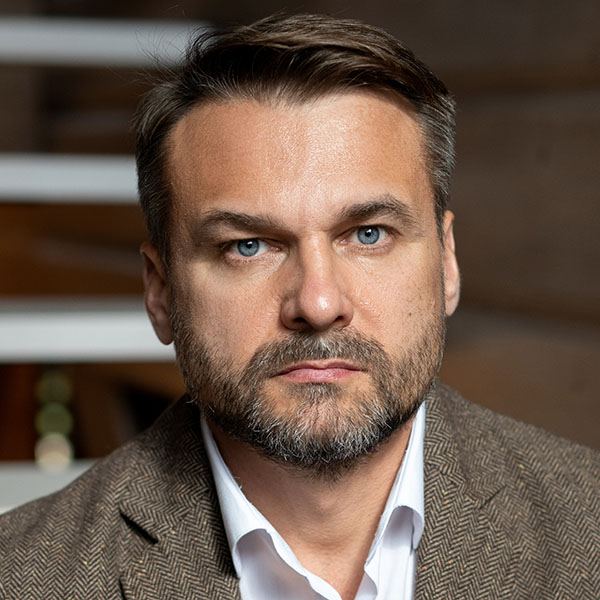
214,219
385,205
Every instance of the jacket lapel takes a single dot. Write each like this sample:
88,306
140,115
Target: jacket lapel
187,562
468,548
177,546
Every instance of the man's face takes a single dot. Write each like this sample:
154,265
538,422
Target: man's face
307,287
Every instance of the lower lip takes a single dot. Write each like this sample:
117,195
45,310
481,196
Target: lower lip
318,375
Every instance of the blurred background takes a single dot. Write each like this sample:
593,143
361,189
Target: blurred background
80,370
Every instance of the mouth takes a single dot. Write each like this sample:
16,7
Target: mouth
322,371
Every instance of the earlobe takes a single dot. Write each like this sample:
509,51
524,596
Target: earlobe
156,294
451,271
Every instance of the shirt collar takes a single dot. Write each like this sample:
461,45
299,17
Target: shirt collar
240,516
407,490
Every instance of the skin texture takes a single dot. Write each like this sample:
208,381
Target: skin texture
307,179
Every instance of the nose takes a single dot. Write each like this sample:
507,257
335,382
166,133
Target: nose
315,299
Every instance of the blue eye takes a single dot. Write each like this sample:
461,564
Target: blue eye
369,235
248,247
251,247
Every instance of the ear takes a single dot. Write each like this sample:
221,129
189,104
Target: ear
451,272
156,292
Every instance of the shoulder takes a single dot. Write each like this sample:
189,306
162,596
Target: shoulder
92,494
57,530
82,535
513,448
542,490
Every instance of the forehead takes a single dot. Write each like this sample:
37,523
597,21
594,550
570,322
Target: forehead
309,156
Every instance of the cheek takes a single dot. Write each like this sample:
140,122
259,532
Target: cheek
233,320
394,300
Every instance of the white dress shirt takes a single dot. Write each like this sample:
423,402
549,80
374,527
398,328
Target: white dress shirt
268,568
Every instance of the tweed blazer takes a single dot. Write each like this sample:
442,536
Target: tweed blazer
510,512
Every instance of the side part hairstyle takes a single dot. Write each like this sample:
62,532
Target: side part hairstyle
292,59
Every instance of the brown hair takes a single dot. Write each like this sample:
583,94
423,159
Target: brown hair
296,58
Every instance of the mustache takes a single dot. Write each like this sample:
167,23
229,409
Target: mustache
270,359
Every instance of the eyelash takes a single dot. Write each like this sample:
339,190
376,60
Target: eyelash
227,249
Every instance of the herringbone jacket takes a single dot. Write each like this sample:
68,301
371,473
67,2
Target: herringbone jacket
510,512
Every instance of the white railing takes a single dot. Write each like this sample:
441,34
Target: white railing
21,482
67,178
52,41
73,331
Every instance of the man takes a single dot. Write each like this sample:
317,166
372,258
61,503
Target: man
294,178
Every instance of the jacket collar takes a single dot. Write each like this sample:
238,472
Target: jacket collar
169,505
467,549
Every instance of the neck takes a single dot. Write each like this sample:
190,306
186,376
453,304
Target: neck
329,524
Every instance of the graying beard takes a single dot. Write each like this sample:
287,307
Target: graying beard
232,400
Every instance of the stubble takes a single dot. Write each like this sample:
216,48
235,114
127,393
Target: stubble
315,429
